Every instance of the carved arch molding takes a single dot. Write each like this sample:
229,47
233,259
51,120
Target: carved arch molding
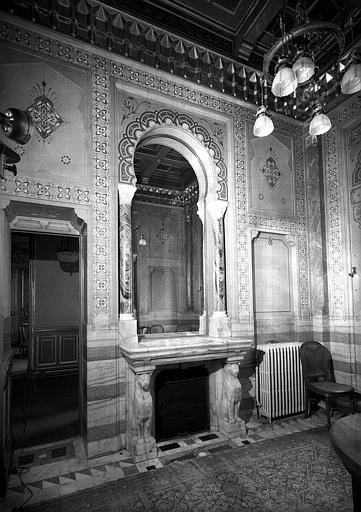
148,120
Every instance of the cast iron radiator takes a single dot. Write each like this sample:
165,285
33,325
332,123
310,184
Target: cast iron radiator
279,381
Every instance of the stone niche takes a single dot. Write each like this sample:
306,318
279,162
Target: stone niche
218,374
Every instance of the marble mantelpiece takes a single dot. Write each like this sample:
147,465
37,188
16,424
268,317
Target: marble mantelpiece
155,352
163,349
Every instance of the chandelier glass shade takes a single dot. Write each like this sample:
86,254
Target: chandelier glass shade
320,122
303,68
285,81
351,80
264,124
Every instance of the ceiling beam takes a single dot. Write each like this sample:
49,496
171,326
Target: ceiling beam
150,162
251,31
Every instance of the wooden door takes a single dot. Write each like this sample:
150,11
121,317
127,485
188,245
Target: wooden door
6,444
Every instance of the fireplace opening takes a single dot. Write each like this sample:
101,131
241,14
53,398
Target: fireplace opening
181,402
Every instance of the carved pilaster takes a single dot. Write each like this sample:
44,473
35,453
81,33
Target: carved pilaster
140,442
203,317
127,323
219,324
230,422
217,210
126,193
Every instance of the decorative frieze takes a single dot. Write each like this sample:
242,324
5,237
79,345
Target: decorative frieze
29,188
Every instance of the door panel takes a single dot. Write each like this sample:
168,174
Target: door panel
6,443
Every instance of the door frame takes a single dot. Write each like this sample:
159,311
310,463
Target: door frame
39,218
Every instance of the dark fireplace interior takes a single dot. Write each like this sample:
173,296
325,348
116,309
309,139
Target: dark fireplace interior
181,402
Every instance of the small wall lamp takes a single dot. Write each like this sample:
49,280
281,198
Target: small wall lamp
18,126
142,240
353,272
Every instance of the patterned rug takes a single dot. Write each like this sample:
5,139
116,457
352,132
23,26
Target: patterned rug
299,472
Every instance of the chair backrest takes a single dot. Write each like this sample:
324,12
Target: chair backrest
24,338
156,328
316,362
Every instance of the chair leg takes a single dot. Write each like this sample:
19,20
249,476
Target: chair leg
353,402
307,403
328,414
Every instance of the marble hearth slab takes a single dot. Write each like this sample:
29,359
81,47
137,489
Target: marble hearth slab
173,349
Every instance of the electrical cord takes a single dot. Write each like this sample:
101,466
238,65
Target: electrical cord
20,470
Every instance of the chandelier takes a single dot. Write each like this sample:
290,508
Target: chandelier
296,66
68,255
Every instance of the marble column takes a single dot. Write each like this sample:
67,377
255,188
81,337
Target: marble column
219,325
127,322
139,439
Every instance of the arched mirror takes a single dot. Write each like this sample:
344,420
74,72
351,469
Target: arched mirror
167,242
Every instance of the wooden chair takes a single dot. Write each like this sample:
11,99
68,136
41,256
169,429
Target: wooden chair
23,341
156,328
319,380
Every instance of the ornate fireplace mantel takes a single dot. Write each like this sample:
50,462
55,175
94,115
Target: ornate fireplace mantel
224,357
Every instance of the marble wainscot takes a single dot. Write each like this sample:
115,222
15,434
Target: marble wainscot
223,358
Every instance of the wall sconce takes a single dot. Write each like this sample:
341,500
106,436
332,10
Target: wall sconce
18,126
142,241
137,228
353,272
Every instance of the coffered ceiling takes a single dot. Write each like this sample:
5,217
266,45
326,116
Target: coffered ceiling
160,166
164,175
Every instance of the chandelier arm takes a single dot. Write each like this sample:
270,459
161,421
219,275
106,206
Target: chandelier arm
300,31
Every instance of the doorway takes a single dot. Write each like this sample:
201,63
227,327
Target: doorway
45,313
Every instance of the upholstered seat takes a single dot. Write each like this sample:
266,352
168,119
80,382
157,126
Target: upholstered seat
319,380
